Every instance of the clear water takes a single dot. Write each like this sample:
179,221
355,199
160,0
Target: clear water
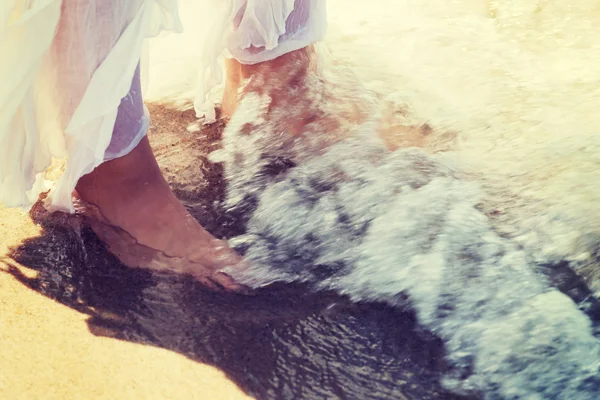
457,228
406,227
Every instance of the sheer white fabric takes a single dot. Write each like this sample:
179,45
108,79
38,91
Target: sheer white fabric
65,65
25,35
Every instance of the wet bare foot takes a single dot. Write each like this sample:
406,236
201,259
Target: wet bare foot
131,207
283,79
308,110
301,96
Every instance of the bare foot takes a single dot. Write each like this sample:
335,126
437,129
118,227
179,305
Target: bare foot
133,210
284,79
308,109
300,96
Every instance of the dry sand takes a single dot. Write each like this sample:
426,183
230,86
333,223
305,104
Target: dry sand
47,351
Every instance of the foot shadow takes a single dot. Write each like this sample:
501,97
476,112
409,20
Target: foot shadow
284,342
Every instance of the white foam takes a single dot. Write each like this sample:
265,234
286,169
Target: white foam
408,224
512,89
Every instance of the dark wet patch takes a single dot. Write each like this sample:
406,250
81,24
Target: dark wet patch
562,277
284,342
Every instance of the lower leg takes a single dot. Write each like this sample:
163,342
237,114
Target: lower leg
272,76
233,83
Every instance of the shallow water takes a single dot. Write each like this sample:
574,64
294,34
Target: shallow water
464,230
284,342
495,317
510,86
406,228
440,265
513,84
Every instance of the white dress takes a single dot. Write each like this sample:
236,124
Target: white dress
65,65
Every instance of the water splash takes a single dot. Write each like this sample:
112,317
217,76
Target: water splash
517,83
406,228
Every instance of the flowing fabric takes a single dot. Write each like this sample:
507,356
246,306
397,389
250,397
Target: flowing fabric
66,65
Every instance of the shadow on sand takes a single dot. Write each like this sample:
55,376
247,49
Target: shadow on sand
281,343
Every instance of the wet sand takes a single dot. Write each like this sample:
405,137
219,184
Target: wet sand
48,352
77,324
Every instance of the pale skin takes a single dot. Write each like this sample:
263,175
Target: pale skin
134,211
137,215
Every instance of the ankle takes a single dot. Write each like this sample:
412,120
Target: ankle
132,172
